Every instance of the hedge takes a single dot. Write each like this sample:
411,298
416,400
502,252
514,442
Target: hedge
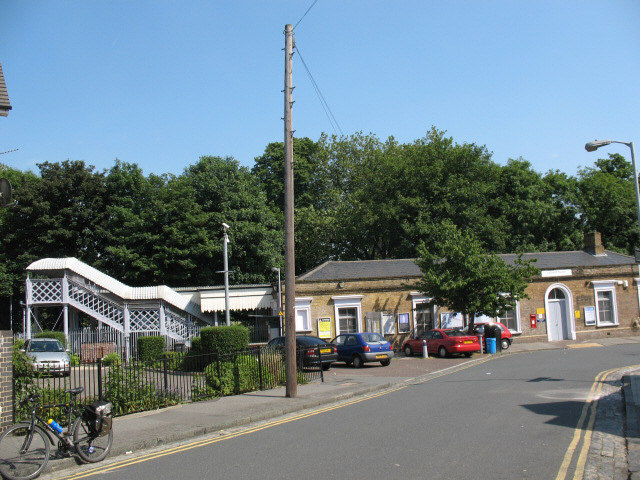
51,334
224,340
150,348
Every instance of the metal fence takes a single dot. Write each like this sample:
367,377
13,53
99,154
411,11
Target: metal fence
135,386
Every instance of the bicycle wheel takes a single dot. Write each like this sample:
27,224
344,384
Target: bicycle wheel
91,447
23,452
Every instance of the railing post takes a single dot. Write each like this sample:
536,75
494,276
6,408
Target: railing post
166,373
260,368
99,364
320,363
217,357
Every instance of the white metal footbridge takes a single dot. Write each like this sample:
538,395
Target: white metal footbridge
68,282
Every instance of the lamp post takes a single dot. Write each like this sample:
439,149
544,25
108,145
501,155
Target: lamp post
225,242
593,146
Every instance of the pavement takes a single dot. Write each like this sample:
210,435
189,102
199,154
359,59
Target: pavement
614,451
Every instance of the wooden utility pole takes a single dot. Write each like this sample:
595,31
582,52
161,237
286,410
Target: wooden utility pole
289,252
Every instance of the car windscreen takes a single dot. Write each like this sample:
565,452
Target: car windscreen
373,338
46,346
310,341
455,333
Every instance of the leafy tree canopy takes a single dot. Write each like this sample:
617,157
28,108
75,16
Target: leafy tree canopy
460,275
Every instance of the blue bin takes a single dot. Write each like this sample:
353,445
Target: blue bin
491,345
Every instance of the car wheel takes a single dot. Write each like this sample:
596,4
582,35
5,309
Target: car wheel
326,366
385,363
467,354
357,362
505,344
442,352
407,351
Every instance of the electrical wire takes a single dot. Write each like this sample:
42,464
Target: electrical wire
305,14
327,110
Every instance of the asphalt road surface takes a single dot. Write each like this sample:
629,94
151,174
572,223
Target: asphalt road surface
507,418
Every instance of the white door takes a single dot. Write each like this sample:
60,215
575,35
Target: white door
557,318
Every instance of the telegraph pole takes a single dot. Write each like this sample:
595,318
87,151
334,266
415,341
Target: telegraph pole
289,252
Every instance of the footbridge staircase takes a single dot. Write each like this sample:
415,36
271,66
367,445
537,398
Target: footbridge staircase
68,282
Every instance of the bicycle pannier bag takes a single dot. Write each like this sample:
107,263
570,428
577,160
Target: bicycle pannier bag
99,416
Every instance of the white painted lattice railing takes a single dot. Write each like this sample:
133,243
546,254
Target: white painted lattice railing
44,290
95,305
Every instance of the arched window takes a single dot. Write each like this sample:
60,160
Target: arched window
556,294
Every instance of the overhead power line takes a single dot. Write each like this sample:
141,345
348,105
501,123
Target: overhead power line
305,14
327,110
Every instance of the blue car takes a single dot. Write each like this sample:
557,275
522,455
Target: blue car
359,348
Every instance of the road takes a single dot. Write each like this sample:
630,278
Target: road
512,417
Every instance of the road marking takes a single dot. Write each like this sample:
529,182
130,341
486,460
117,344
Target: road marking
585,345
589,411
227,436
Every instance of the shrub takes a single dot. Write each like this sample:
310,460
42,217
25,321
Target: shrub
111,359
224,340
51,334
75,360
237,376
150,348
126,388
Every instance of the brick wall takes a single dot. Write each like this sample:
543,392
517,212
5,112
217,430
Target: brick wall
6,379
394,296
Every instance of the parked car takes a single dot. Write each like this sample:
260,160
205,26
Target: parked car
443,341
359,348
507,337
309,349
48,355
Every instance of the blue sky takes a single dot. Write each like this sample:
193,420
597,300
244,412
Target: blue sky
161,83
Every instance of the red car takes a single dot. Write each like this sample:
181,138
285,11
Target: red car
506,336
443,341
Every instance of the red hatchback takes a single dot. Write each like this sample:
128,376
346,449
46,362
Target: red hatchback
443,341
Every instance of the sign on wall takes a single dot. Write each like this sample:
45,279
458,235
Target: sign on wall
388,324
403,323
324,327
451,320
589,315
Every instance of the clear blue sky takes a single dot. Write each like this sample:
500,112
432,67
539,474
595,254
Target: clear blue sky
161,83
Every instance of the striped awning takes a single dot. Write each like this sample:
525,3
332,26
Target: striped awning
251,298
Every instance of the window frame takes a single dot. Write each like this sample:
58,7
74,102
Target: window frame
347,301
606,286
303,304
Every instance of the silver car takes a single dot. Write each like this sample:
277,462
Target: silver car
48,355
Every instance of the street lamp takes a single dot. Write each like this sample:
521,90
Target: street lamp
593,146
225,242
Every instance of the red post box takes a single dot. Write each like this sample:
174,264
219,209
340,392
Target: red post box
534,321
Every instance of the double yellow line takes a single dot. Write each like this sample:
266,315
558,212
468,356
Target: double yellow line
249,430
584,428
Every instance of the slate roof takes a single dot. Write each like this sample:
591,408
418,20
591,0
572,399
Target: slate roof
5,106
407,268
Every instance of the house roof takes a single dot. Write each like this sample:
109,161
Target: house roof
5,106
407,268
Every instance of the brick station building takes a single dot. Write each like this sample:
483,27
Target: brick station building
578,295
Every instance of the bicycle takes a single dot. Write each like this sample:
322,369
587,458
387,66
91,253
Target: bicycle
25,446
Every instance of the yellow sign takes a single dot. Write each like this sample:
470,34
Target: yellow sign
281,314
324,327
540,311
577,313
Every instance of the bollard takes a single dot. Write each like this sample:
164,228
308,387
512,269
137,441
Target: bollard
425,353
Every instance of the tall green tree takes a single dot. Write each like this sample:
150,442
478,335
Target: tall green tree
607,200
459,274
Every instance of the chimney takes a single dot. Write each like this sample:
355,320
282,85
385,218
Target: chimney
593,243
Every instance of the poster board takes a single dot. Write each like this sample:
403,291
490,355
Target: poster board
403,323
451,320
589,315
388,324
324,327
